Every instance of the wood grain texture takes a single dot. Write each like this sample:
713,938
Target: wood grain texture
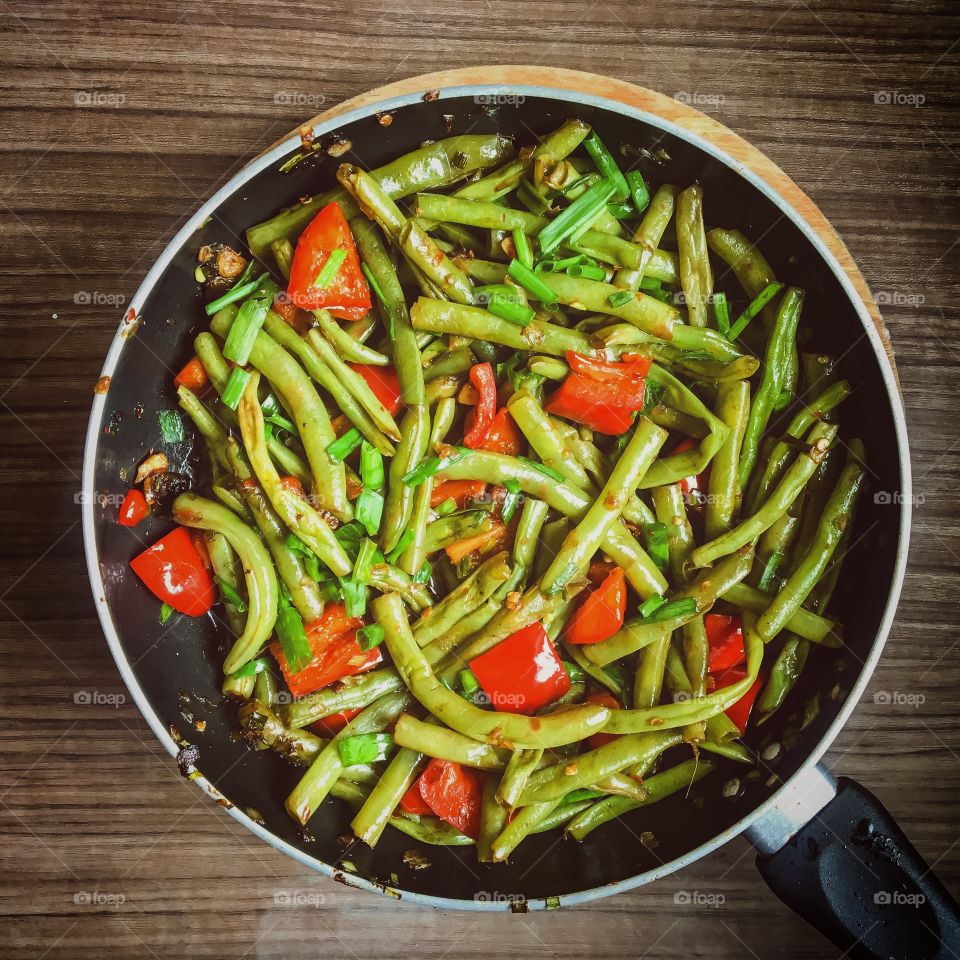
177,95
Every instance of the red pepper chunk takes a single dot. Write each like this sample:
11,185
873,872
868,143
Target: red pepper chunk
480,419
454,793
384,383
174,570
346,295
193,376
522,673
613,371
725,636
336,652
739,712
601,615
133,509
460,491
412,801
504,435
595,404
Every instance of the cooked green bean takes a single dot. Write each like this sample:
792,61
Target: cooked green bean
724,491
695,273
436,741
261,580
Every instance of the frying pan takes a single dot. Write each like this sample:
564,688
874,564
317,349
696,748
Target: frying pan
826,847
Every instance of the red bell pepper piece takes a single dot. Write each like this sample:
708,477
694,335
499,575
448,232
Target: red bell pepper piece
329,726
601,615
522,673
336,652
480,419
133,509
384,383
725,636
454,793
739,712
621,371
193,376
412,801
593,403
486,542
459,491
605,699
504,435
174,570
347,295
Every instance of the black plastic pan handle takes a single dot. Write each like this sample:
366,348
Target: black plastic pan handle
851,872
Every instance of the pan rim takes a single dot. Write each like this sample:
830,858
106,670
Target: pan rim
277,153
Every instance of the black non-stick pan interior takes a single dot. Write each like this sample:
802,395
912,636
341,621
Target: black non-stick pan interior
185,656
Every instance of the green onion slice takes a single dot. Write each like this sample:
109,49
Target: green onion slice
330,269
370,636
233,391
364,748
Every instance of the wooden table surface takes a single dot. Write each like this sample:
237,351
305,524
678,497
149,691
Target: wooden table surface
119,118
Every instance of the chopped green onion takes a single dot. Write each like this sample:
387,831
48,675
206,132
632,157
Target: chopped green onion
370,636
618,675
424,574
639,191
171,426
239,292
622,209
364,748
576,218
371,466
372,280
583,182
245,329
406,538
364,561
584,793
515,313
350,536
166,611
342,447
524,251
658,544
651,604
369,510
755,306
543,468
559,266
721,312
354,597
233,391
767,581
251,669
531,282
651,283
330,269
310,562
607,165
668,611
588,271
432,467
619,298
448,506
509,505
468,681
231,596
574,671
292,636
512,485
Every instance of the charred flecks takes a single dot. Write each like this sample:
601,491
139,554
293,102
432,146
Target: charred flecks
220,266
161,489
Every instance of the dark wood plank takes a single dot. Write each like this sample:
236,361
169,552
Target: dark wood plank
90,195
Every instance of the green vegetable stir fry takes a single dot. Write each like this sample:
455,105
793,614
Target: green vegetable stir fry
516,521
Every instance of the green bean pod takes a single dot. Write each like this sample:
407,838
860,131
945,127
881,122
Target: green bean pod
724,492
696,275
